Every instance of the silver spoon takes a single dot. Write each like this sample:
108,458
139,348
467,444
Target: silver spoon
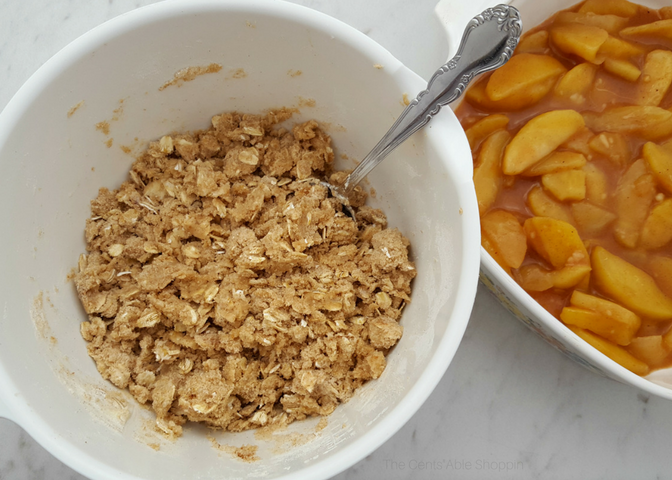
487,43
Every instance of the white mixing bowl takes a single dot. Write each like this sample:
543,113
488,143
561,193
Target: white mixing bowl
509,293
54,159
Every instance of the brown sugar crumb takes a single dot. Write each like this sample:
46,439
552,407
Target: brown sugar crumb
404,100
103,127
190,73
294,73
307,102
246,453
72,111
221,287
322,424
108,142
117,112
72,273
239,73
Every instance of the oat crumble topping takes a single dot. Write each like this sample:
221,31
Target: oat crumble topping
223,288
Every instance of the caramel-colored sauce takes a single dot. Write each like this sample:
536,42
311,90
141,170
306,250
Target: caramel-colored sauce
607,91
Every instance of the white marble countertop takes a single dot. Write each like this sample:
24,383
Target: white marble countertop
510,406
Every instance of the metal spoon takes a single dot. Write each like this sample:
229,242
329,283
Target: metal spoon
487,43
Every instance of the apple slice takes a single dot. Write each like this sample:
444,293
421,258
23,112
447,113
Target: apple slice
629,286
539,137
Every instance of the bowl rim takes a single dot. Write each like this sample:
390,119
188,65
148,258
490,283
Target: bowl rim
610,368
67,452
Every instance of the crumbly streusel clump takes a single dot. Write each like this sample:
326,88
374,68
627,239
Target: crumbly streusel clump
222,288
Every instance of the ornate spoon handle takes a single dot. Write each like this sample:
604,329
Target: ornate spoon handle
487,43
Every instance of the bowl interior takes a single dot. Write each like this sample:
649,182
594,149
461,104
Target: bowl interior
56,154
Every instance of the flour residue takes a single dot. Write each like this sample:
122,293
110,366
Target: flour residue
333,127
108,405
147,433
283,442
40,320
